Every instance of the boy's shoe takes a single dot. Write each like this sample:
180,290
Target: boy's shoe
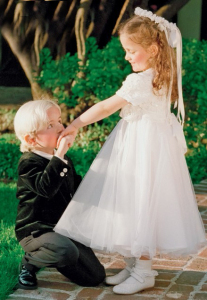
27,279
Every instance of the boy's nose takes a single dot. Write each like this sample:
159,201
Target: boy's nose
60,128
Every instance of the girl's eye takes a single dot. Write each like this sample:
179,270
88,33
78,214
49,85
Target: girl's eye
131,52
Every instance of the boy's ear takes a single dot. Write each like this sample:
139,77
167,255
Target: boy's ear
30,140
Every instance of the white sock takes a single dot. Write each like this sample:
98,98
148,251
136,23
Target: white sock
123,275
142,277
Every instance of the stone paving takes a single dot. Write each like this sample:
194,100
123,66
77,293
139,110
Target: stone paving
184,278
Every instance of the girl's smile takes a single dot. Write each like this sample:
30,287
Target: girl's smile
136,55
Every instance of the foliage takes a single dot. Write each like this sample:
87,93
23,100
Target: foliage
9,156
82,153
195,96
10,250
104,71
6,118
58,75
195,90
72,83
106,68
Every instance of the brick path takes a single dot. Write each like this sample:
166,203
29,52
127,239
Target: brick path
184,278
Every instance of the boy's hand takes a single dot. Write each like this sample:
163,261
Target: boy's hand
71,131
64,144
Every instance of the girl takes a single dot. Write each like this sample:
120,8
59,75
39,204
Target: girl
137,198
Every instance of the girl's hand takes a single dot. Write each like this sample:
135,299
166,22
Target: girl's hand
71,131
65,143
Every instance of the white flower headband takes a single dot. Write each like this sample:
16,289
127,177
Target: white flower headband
174,39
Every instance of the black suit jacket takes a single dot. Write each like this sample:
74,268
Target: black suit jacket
44,189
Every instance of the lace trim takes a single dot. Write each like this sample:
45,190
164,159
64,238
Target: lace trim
137,88
157,110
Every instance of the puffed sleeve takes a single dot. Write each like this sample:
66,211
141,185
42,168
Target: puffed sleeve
137,88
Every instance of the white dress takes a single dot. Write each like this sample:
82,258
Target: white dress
137,197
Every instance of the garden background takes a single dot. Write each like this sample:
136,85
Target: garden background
78,79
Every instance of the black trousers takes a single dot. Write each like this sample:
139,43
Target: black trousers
74,260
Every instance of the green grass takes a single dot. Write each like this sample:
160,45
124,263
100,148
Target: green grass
10,251
14,95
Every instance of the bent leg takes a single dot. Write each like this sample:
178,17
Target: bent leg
49,250
88,271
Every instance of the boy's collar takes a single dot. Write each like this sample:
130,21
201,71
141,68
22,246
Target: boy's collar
48,156
44,154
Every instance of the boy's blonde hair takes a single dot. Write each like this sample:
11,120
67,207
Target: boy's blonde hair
31,117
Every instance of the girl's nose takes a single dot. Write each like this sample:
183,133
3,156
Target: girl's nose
126,57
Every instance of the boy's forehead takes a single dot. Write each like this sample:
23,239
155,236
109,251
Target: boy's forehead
53,113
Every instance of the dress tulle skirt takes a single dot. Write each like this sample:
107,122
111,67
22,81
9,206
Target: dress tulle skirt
137,197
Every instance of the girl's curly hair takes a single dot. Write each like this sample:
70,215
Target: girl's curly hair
145,32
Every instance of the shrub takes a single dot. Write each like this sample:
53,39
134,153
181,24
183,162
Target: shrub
10,251
9,156
195,96
58,75
104,71
81,153
102,74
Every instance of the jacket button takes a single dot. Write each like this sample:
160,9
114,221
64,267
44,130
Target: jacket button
65,170
62,174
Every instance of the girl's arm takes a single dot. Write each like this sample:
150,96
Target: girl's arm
99,111
96,113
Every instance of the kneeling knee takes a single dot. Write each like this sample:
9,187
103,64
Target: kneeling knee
69,256
99,278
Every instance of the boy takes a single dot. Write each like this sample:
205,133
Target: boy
46,183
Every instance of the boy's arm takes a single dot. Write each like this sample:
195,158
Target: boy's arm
43,181
77,178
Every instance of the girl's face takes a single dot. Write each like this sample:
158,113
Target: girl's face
46,139
136,55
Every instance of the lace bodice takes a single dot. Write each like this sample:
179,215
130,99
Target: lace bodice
137,90
143,103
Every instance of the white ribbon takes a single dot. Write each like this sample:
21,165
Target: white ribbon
140,275
174,39
178,132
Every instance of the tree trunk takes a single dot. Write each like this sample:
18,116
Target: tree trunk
28,26
126,7
80,30
40,94
25,62
169,10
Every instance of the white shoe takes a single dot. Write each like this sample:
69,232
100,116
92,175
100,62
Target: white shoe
141,278
132,285
123,275
118,278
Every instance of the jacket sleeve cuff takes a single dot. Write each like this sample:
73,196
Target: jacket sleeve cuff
64,160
